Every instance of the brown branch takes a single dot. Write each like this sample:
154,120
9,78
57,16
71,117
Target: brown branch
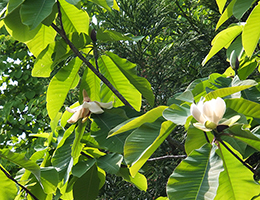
11,178
62,33
167,157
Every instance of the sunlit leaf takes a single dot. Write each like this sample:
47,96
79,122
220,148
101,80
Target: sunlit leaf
129,70
223,39
235,180
59,86
149,117
226,14
111,71
177,114
74,20
8,188
197,176
49,179
138,180
142,143
251,32
221,4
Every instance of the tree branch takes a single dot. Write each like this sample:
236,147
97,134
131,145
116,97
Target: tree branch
11,178
167,157
62,33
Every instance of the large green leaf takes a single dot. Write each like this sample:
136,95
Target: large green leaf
82,167
91,83
251,32
196,139
241,6
13,4
110,163
44,37
226,14
60,85
149,117
138,180
8,188
222,92
244,135
177,114
143,142
197,176
34,12
223,39
87,185
20,159
107,4
77,145
111,71
236,179
49,179
17,29
74,20
106,121
244,106
129,70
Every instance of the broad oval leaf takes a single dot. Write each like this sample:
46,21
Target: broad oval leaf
226,14
110,163
177,114
241,6
34,12
8,188
223,39
197,176
60,85
251,32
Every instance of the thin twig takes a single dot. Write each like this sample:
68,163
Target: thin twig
167,157
206,137
62,33
11,178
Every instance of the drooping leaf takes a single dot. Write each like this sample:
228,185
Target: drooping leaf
82,167
110,163
87,185
226,14
8,188
44,37
142,143
74,20
49,179
251,32
138,180
59,86
13,4
241,7
197,176
149,117
91,83
223,39
177,114
106,121
20,159
73,2
128,69
244,106
104,3
77,145
111,71
222,92
17,29
34,12
235,180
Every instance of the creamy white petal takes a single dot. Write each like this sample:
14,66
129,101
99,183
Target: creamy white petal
76,116
231,121
208,111
220,108
108,105
201,127
93,107
73,110
197,114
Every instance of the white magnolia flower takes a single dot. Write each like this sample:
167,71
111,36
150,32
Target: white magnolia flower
209,114
86,108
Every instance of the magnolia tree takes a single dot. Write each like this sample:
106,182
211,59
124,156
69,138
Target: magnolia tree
105,132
